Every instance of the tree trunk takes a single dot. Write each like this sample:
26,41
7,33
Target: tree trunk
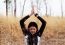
50,11
46,7
6,7
37,5
15,8
61,9
23,7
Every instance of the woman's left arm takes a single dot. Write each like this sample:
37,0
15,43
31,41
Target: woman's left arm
42,26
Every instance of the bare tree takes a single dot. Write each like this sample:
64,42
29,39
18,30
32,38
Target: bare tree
7,3
23,7
15,8
12,7
6,7
37,5
61,9
46,7
50,10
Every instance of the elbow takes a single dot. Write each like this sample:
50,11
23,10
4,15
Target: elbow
44,23
21,23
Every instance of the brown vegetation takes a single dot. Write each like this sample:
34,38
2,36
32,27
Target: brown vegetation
11,34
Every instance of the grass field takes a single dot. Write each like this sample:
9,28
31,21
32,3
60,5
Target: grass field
11,34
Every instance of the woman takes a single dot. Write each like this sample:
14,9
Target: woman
32,34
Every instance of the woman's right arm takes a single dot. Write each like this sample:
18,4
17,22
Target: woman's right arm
42,26
23,25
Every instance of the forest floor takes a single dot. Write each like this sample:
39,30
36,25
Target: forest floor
11,32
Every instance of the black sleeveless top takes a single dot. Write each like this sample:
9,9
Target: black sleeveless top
32,40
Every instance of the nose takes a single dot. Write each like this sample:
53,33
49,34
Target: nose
32,30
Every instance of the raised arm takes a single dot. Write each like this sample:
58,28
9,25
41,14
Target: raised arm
23,25
42,26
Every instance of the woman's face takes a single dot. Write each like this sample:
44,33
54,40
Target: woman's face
33,30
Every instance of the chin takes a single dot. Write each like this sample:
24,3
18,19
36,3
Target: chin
33,33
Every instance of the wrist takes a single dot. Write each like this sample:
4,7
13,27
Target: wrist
29,15
36,15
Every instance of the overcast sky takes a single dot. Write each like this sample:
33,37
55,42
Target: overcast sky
54,5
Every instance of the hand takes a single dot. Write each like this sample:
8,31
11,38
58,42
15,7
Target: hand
32,11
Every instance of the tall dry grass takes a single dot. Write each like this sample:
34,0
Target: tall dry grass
11,34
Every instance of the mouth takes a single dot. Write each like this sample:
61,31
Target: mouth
32,33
